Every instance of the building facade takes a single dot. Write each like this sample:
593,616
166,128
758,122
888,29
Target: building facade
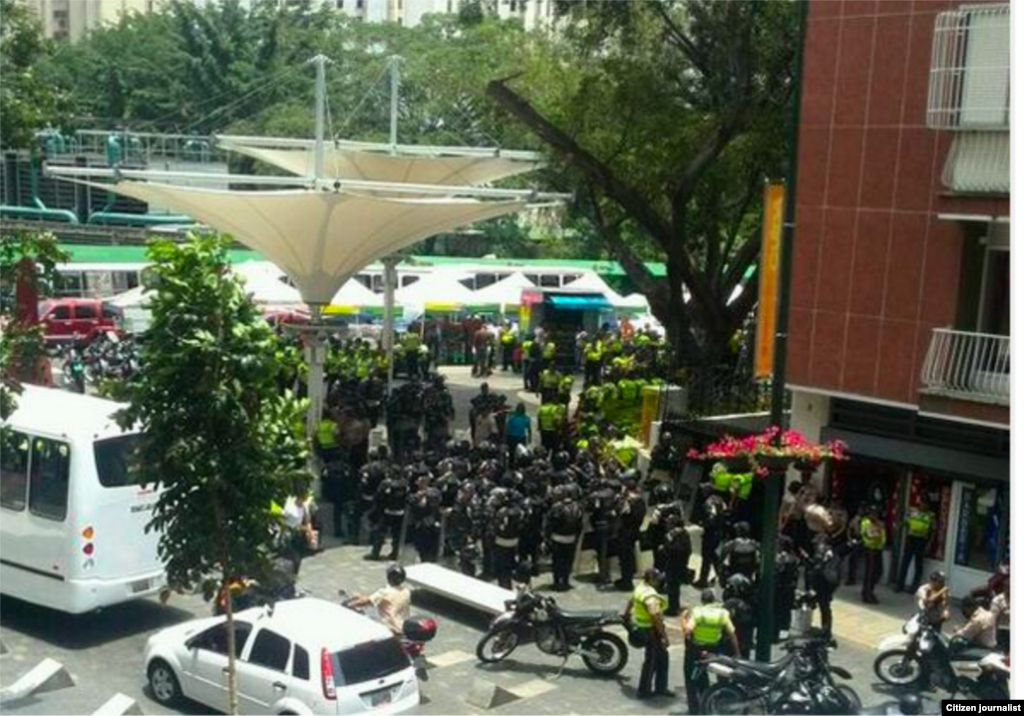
72,19
899,324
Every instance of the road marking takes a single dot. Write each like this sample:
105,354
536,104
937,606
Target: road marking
449,658
534,687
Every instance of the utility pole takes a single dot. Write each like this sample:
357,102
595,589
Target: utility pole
773,482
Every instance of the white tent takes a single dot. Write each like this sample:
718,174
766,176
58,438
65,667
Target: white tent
590,281
132,298
438,290
634,302
415,164
354,293
506,292
265,283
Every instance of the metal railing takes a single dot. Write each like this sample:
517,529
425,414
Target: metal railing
974,366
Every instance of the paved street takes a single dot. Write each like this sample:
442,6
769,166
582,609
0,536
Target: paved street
103,651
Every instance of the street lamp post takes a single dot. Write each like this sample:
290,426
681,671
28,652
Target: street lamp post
776,473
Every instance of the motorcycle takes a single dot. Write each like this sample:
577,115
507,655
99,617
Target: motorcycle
801,682
556,632
245,593
416,632
73,369
923,656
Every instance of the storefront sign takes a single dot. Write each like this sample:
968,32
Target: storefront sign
963,531
768,289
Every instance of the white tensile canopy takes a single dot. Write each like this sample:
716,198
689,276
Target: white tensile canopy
414,164
506,292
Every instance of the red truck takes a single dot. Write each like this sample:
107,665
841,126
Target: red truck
78,319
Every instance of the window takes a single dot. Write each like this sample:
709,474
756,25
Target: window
981,537
340,4
70,284
86,310
13,470
270,650
61,313
369,661
300,663
215,638
48,479
532,278
409,280
117,461
111,311
359,4
486,279
550,281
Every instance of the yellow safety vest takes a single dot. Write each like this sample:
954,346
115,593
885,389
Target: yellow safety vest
549,351
744,484
594,352
548,417
642,618
709,624
919,522
721,480
327,434
871,541
549,379
527,345
508,337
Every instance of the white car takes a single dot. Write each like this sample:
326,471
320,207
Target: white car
306,656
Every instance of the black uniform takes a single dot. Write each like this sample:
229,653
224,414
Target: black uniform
370,477
739,599
658,528
535,507
787,576
676,558
563,527
631,510
712,514
602,514
741,555
425,522
390,504
508,523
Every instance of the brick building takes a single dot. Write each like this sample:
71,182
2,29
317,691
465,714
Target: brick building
899,325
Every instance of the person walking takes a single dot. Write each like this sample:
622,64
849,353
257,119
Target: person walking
645,612
705,628
920,523
518,429
872,539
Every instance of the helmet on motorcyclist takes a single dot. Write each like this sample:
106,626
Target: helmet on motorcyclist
395,575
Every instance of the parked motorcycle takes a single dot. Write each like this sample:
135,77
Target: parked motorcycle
923,656
801,682
73,368
531,616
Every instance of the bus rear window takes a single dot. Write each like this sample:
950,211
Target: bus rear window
117,461
369,661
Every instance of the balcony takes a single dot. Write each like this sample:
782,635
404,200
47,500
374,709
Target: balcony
968,366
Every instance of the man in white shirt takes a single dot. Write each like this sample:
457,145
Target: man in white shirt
932,599
980,629
392,602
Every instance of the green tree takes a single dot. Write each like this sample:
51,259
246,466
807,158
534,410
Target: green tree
219,438
665,118
27,102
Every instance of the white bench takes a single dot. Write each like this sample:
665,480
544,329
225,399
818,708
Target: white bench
459,587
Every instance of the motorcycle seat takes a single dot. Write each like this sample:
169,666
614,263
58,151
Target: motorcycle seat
971,653
773,669
585,615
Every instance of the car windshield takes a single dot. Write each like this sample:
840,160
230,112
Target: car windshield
369,661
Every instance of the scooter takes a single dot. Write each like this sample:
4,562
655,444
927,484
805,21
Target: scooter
923,656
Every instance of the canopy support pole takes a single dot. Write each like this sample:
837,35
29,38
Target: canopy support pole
321,100
393,63
314,380
390,281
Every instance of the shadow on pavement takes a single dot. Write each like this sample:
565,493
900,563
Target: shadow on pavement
84,631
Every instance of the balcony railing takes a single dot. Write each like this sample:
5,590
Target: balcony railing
973,366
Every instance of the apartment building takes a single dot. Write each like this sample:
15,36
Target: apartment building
899,329
72,19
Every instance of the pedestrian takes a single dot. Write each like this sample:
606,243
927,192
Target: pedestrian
705,628
872,538
739,599
920,524
518,429
645,612
1001,608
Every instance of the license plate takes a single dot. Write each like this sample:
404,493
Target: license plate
380,698
140,585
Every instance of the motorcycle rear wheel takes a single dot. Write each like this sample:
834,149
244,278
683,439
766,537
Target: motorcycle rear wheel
497,645
896,668
611,654
727,699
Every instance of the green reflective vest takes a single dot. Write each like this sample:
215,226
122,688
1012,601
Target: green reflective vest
709,624
744,482
593,352
549,350
527,345
721,480
870,536
919,522
642,618
549,379
549,417
508,338
327,434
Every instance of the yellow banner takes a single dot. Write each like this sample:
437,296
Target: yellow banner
768,288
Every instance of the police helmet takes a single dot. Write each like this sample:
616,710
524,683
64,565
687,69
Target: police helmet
742,529
663,493
560,460
739,585
910,704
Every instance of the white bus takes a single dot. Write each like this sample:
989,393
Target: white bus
72,514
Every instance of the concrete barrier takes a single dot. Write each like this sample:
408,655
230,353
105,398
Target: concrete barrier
487,695
119,705
47,675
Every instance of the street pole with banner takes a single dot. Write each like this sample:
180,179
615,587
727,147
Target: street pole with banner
773,482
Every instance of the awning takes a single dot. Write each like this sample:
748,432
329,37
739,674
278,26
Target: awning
579,302
376,162
319,238
929,457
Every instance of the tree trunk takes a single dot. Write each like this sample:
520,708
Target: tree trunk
229,610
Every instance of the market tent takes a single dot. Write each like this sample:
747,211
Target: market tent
438,291
415,164
353,297
590,281
265,283
132,298
506,292
634,302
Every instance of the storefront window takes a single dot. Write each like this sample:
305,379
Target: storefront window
979,540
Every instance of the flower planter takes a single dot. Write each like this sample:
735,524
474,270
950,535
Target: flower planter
774,463
737,464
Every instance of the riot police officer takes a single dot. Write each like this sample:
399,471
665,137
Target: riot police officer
601,507
508,522
738,596
741,554
535,507
712,514
425,519
665,505
370,477
390,503
676,551
631,509
563,526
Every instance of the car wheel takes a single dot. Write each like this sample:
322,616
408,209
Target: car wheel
163,683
